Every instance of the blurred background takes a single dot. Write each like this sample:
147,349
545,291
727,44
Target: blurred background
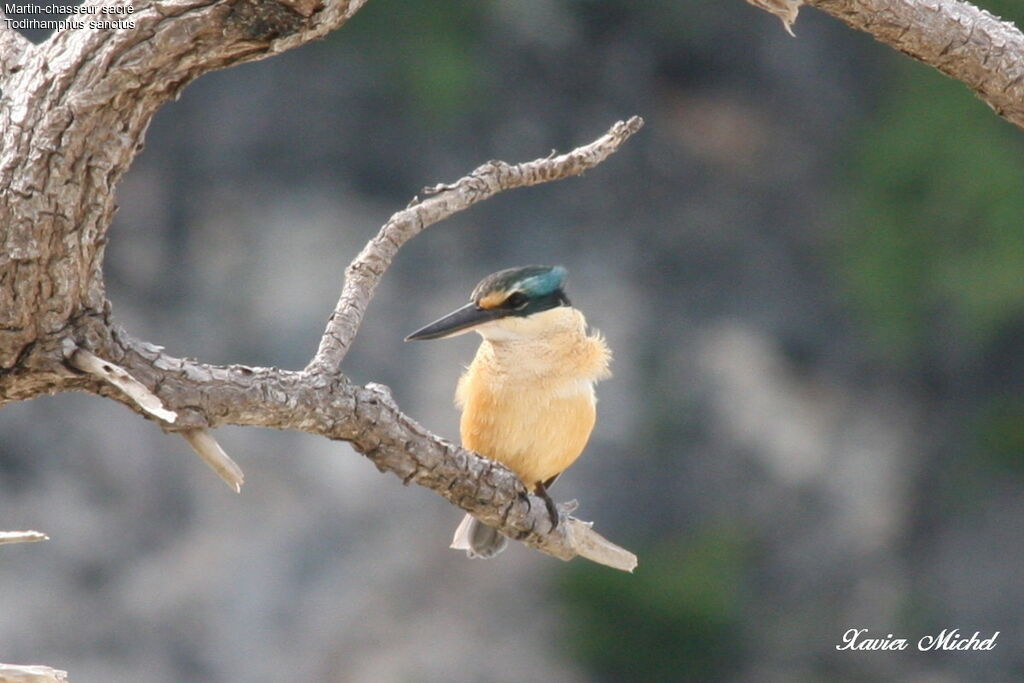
808,264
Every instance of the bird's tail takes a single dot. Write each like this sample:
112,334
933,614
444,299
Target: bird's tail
478,540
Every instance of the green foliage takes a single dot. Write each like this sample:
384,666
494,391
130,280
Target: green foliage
675,619
933,243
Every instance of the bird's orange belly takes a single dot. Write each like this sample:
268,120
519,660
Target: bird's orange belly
535,437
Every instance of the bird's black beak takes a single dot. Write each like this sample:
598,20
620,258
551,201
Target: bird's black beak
458,321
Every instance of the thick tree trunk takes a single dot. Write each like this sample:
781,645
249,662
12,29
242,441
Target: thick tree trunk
73,115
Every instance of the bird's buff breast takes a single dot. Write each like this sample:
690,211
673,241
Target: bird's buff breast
530,404
535,434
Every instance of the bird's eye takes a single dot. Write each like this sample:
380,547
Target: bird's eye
516,300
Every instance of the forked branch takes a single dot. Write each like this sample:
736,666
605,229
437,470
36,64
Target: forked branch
104,89
321,400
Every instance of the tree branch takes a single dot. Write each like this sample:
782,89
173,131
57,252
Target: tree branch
957,38
367,417
785,10
207,448
321,401
14,673
363,274
73,118
120,378
22,537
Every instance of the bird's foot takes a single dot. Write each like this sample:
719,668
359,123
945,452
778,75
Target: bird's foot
541,491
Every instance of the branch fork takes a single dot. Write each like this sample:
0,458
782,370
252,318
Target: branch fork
94,104
572,537
321,400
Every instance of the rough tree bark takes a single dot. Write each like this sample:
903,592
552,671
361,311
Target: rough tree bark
957,38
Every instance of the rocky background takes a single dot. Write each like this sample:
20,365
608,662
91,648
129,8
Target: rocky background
808,265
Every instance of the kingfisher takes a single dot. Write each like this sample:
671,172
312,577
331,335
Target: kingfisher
527,399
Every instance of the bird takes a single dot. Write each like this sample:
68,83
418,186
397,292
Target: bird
527,398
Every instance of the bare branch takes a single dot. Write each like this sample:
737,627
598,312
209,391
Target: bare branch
588,543
321,401
957,38
101,123
207,448
201,440
22,537
363,274
13,673
368,418
119,377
